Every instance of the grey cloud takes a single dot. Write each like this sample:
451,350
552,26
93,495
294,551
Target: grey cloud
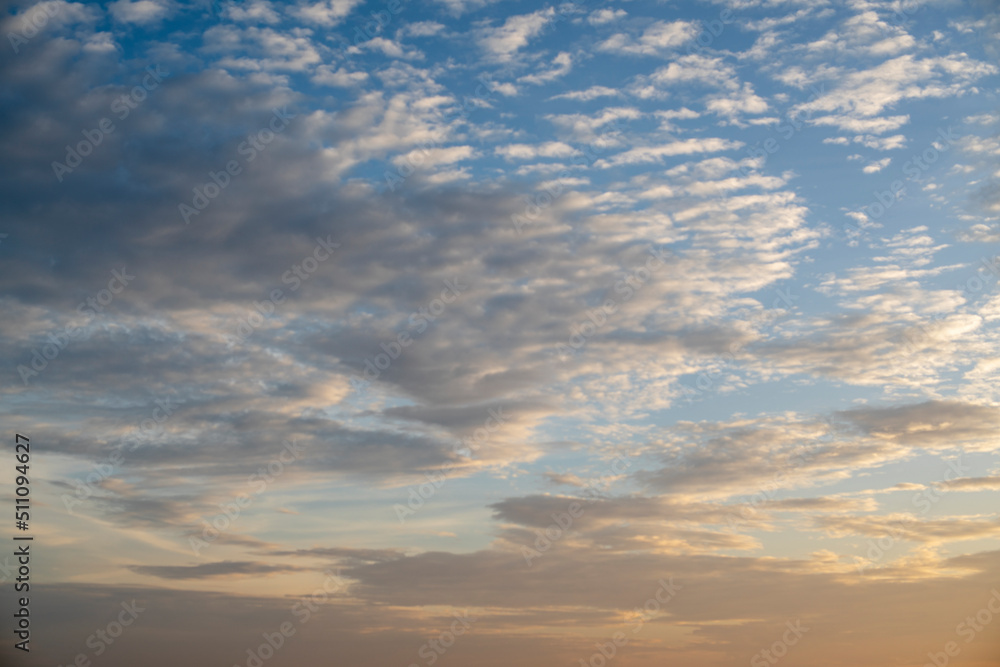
209,570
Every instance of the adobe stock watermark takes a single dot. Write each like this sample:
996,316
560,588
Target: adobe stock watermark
146,429
58,341
408,164
779,649
923,500
968,630
540,202
650,610
417,323
916,338
598,316
434,648
419,495
563,521
913,168
766,493
705,383
788,126
902,12
302,611
103,638
653,607
374,27
122,106
258,482
295,277
32,22
710,31
254,144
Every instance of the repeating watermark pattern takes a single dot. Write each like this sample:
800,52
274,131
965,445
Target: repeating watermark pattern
586,157
918,337
434,648
913,168
408,164
294,277
89,307
748,508
563,521
254,144
147,429
32,22
302,612
710,31
922,500
779,649
598,316
258,482
968,630
419,495
705,383
122,106
790,124
102,638
372,28
650,610
417,323
900,18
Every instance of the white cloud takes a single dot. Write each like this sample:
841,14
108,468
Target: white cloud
340,78
603,16
143,12
655,154
849,123
592,93
584,128
504,41
432,157
877,166
734,104
694,69
563,64
532,151
256,11
423,28
326,14
864,94
658,38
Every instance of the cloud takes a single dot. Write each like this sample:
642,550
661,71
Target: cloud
142,12
658,38
563,64
932,424
655,154
871,361
592,93
433,157
863,94
503,42
213,570
971,484
877,166
604,16
256,11
532,151
585,128
327,14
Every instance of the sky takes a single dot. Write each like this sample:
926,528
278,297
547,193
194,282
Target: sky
466,332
